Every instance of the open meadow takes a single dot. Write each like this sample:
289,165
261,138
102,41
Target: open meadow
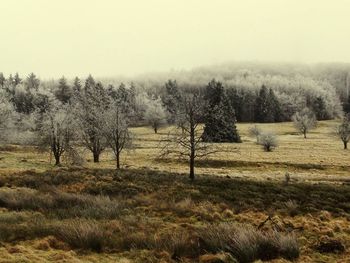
149,211
175,131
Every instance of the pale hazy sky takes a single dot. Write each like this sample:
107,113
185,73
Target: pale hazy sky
107,38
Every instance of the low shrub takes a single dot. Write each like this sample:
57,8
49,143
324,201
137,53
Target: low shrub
268,141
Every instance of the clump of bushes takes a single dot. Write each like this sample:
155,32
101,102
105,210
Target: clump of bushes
268,141
255,131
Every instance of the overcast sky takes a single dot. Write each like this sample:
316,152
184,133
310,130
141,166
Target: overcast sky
114,37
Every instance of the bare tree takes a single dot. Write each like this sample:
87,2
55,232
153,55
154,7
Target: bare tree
115,129
343,131
56,130
304,121
188,143
268,141
155,114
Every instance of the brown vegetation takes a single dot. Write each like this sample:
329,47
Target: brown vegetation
142,214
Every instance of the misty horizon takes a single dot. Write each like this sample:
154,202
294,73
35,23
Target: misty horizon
175,72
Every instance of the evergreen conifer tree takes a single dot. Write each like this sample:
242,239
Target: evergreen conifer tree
63,92
219,116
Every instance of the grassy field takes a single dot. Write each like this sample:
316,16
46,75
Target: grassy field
150,212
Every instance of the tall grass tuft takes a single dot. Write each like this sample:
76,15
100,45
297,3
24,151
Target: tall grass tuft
247,244
82,234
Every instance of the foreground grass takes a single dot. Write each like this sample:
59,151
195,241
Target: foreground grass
138,214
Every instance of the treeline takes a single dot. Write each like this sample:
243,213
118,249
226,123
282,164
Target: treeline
335,75
65,115
253,97
323,87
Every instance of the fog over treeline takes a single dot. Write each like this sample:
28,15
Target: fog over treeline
256,91
295,85
254,73
330,81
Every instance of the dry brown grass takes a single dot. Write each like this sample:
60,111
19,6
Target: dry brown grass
318,158
151,199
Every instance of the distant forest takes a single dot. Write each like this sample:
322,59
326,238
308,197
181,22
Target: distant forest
258,92
322,87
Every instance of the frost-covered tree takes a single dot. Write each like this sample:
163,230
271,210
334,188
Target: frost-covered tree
10,80
255,132
304,121
343,131
76,86
2,79
115,128
63,91
155,114
89,104
6,110
32,82
56,129
126,99
268,141
17,80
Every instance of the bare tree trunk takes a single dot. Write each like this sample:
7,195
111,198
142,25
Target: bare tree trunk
96,156
193,150
192,167
56,151
57,159
304,134
118,160
347,85
155,129
345,145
